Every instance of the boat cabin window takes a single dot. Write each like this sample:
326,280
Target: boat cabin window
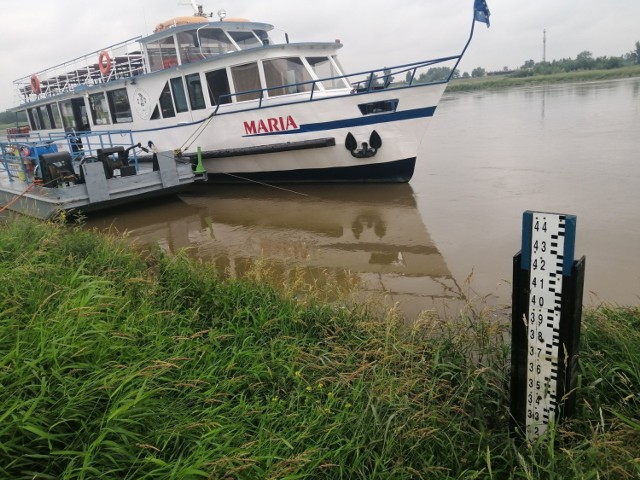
179,95
162,54
196,94
262,35
324,68
246,78
218,86
74,114
245,39
188,46
99,109
35,119
68,119
45,117
213,41
286,71
54,113
166,103
119,104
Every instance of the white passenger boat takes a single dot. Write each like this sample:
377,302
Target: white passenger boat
260,110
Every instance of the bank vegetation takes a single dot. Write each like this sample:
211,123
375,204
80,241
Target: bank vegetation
119,363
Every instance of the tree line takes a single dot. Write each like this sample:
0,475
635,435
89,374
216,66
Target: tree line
9,118
583,61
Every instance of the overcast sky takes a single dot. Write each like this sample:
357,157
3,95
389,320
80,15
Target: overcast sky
37,34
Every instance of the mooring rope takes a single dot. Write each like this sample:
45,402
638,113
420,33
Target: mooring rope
17,197
198,131
267,185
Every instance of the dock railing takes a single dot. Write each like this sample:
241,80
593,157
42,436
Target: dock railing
20,160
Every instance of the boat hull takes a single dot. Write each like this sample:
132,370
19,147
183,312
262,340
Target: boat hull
316,149
399,171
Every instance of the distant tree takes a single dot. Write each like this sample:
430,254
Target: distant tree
631,57
528,64
585,61
387,78
636,53
8,117
407,78
465,75
478,72
434,74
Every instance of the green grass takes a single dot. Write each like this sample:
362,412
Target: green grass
501,82
119,364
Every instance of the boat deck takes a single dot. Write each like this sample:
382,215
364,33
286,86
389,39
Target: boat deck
42,179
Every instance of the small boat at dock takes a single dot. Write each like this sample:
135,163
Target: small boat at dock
259,109
83,173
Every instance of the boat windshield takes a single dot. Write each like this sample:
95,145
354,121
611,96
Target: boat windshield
326,70
246,39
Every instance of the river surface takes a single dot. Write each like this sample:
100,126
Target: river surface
486,158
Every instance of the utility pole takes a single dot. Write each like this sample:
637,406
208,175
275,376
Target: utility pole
544,45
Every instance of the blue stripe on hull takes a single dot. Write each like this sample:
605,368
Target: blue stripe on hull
399,171
356,122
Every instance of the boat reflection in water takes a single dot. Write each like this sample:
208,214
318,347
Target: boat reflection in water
325,231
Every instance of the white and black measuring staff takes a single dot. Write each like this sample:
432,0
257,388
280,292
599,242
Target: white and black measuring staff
546,315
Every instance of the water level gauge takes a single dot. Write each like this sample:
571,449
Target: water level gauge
547,306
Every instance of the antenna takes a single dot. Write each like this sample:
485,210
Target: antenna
197,9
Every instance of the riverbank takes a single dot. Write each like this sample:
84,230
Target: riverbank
503,81
127,365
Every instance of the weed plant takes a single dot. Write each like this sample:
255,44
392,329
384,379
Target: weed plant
119,364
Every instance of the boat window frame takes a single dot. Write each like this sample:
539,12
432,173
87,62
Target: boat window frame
255,92
188,54
167,107
194,95
224,95
182,94
211,53
65,124
157,60
45,117
34,119
113,106
106,115
56,120
338,77
304,85
240,46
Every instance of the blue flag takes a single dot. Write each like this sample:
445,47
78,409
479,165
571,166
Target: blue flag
482,12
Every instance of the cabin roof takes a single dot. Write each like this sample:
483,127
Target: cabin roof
226,25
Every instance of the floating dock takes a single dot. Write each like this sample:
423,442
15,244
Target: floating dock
78,173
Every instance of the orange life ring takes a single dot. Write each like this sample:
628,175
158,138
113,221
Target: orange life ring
105,68
35,84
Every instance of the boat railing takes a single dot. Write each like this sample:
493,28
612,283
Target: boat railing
16,162
401,76
118,61
21,160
